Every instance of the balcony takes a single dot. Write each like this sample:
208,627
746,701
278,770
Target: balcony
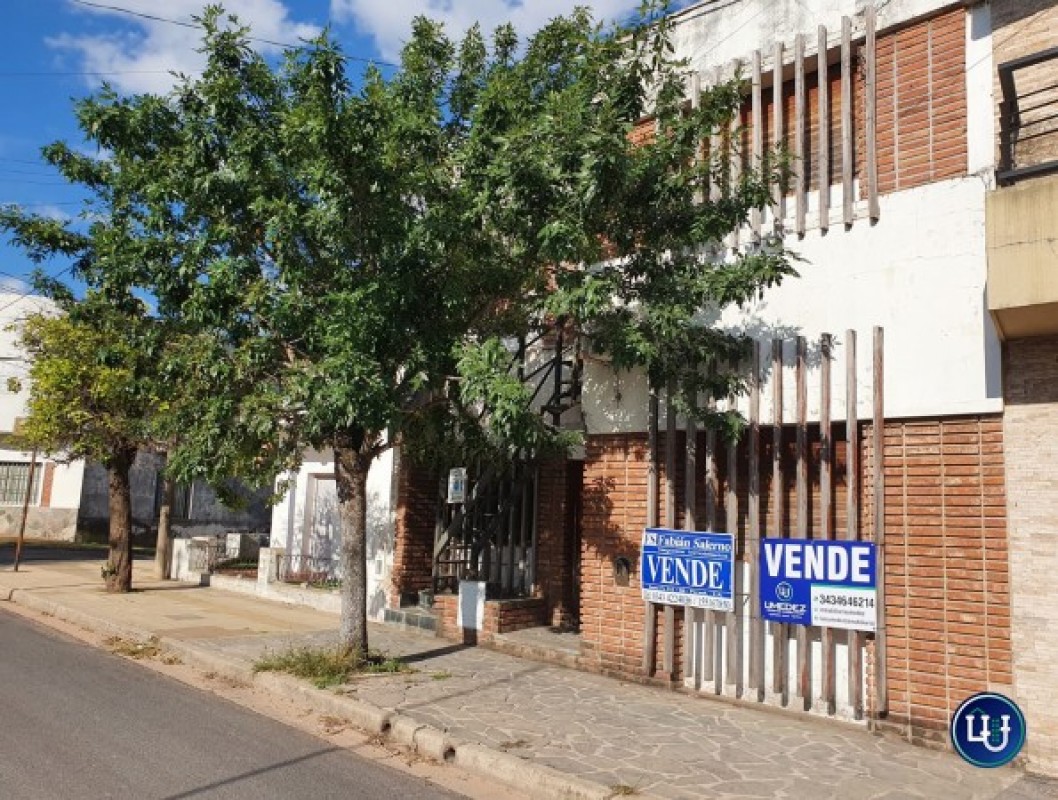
1022,214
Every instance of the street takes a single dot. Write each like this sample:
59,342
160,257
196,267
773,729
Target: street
76,722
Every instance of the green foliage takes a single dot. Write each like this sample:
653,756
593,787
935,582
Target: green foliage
92,380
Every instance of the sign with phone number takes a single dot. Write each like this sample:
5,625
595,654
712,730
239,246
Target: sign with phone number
827,583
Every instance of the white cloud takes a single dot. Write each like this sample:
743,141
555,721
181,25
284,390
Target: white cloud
390,23
140,60
12,285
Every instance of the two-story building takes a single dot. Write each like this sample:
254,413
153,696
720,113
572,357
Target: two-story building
903,389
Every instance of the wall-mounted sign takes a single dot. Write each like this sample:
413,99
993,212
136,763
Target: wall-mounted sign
457,485
686,568
822,582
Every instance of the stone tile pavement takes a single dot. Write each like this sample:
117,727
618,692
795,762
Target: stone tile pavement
628,737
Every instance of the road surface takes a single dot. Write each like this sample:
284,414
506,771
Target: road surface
76,722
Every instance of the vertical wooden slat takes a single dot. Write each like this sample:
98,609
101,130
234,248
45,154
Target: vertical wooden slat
716,147
804,661
734,141
735,618
823,167
709,623
878,470
691,616
778,134
852,514
826,505
696,103
650,621
758,135
780,632
799,135
846,121
871,121
669,634
756,638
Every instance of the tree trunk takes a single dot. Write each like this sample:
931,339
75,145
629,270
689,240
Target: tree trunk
163,545
119,563
350,470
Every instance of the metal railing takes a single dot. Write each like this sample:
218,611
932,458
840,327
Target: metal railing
1028,117
315,571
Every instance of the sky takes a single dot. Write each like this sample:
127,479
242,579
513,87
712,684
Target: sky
54,51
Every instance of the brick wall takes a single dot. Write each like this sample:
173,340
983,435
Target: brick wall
1022,28
415,519
1030,429
554,577
948,617
47,483
921,97
947,581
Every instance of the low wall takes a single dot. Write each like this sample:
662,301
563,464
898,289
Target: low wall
59,524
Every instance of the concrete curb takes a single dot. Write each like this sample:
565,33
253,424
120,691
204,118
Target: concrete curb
422,739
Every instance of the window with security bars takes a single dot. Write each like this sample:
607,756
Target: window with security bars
14,476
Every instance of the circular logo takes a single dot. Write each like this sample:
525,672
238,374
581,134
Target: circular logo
988,730
784,591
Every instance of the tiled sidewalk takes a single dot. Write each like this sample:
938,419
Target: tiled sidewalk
632,738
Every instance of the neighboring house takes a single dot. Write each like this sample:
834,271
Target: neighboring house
899,122
196,510
305,525
56,489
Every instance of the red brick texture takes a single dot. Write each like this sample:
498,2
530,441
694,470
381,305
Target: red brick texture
947,570
946,579
921,97
418,496
48,480
418,493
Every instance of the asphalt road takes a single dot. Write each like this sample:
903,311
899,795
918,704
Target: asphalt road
76,722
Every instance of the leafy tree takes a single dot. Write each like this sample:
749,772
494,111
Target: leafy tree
343,250
93,394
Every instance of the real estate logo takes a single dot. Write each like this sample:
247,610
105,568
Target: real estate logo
988,730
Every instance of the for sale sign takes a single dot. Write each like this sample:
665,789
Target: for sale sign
828,583
687,568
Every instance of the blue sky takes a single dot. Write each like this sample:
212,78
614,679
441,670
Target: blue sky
53,51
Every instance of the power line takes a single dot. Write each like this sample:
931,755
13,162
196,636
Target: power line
198,26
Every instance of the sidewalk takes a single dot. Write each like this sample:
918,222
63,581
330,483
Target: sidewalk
551,731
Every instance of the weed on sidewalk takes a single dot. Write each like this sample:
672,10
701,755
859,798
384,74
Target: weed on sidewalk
328,666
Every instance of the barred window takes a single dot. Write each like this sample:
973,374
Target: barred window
13,478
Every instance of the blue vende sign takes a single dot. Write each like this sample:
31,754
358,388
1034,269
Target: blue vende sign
688,568
822,582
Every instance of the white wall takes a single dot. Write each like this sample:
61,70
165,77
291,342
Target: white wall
714,34
312,486
919,272
14,308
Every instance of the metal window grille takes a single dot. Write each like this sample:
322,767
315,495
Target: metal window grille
14,475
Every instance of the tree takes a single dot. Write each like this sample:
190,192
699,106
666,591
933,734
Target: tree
344,251
93,395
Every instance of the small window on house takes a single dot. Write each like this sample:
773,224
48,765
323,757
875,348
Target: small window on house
14,476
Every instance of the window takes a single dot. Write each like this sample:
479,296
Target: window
14,476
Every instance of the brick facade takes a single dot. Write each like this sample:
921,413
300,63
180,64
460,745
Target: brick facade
947,580
418,490
1030,428
921,97
416,518
1022,28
